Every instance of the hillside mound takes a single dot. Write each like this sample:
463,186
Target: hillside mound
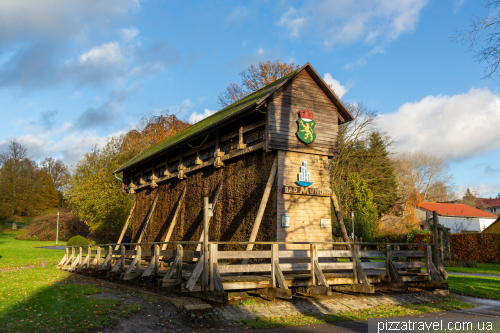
44,227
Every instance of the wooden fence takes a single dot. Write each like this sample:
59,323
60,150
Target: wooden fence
210,273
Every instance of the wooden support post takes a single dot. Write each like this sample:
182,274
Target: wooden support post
314,258
156,259
181,166
149,216
241,144
319,275
274,258
428,260
179,257
340,219
153,175
174,219
213,262
206,219
88,259
388,258
98,257
198,161
110,257
218,154
122,258
166,172
262,207
214,204
435,238
218,281
198,269
279,276
355,263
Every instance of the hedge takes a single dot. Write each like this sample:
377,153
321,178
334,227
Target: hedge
483,248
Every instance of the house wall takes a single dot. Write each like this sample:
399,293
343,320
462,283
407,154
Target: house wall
302,93
458,224
305,211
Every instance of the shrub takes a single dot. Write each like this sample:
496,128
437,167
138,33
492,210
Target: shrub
481,248
412,234
44,227
78,240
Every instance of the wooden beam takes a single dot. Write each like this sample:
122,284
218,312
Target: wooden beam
215,296
340,219
274,258
195,274
135,262
217,279
124,230
355,288
152,264
314,257
263,204
388,258
206,220
174,219
213,263
241,144
214,204
275,293
279,276
319,275
218,154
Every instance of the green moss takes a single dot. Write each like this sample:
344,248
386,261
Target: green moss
217,117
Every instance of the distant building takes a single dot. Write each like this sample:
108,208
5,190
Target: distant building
456,217
493,228
492,205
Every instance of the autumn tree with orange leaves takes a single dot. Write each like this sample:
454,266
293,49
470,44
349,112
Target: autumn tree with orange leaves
254,78
95,193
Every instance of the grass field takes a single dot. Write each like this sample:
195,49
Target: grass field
19,253
49,300
485,287
481,268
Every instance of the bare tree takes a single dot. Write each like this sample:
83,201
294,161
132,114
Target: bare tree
429,175
254,78
57,170
483,37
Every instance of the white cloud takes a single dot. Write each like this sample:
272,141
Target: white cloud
128,34
346,21
455,127
109,53
195,117
363,60
488,190
339,89
58,18
293,21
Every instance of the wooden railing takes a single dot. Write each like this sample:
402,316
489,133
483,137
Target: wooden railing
320,270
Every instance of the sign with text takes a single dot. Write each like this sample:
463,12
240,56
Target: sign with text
300,190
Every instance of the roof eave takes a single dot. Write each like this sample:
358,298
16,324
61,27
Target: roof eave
187,138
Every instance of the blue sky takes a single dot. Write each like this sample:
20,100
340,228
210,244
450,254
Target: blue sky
74,72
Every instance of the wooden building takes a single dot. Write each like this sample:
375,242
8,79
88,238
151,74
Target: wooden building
265,157
262,163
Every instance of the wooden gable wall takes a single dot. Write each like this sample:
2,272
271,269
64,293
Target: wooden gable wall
302,93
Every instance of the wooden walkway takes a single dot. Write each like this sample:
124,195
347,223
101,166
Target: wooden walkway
273,272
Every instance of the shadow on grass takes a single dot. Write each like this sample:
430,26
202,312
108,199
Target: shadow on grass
382,311
48,300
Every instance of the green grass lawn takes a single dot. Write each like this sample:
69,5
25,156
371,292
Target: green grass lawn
485,287
481,268
382,311
19,253
49,300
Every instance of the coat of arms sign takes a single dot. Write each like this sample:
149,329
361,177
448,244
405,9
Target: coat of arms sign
306,126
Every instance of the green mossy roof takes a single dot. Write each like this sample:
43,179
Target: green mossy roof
208,122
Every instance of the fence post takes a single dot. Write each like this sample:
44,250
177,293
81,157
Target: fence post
213,261
156,258
435,240
388,258
274,258
428,256
89,255
98,258
110,261
122,258
204,285
355,261
314,257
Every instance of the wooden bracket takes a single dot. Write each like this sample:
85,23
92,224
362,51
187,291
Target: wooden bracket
279,276
195,274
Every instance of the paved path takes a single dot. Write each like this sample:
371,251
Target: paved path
474,274
56,247
484,309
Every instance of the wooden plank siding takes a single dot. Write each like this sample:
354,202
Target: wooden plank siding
305,211
302,93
